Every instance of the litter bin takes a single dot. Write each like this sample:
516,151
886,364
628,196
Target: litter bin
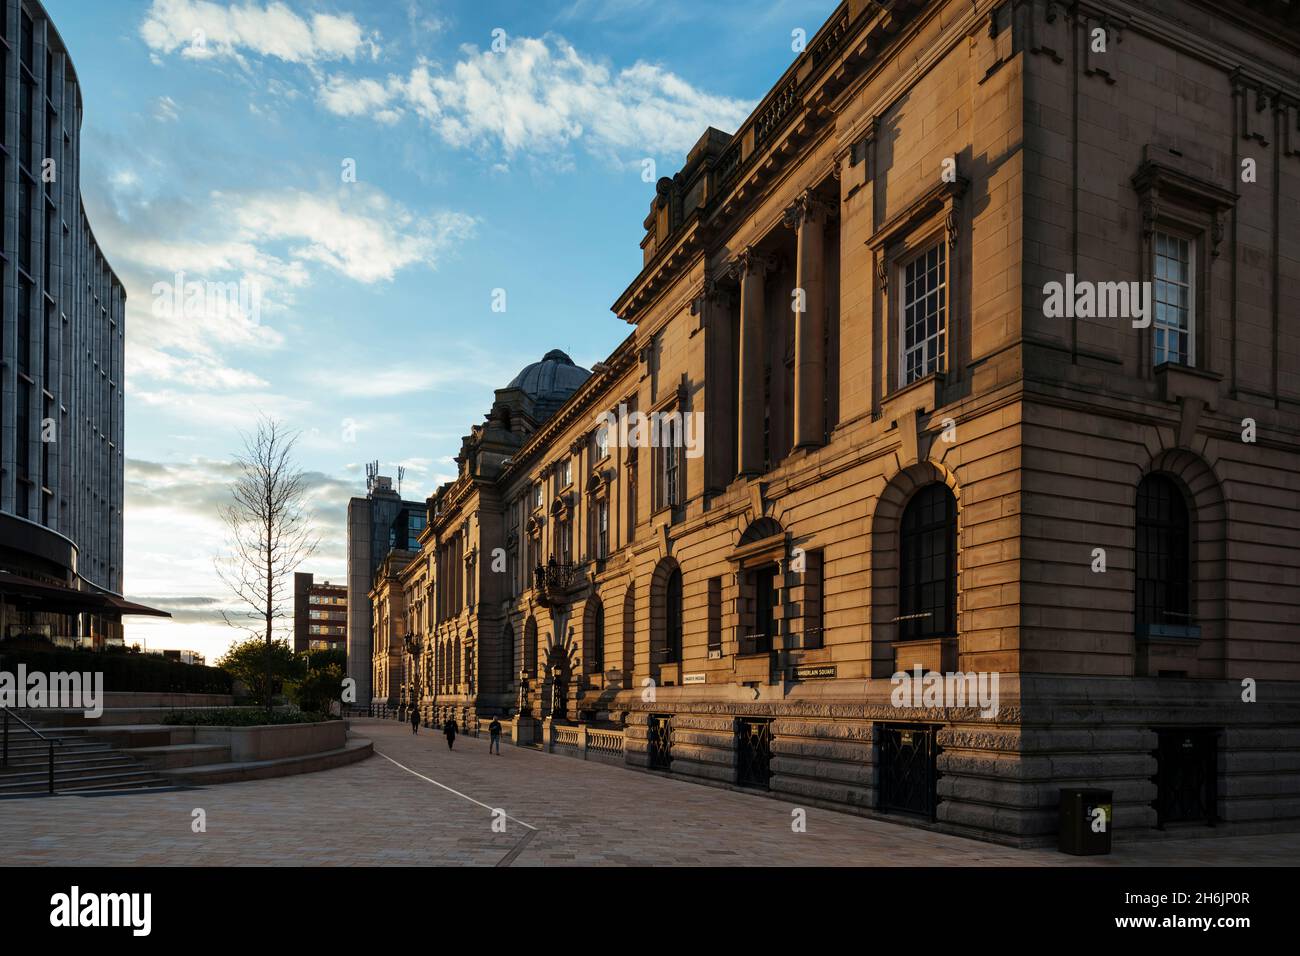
1086,819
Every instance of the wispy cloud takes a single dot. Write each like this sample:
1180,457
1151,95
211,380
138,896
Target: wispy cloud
200,29
542,95
165,110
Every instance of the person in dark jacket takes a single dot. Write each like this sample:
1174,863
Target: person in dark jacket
494,736
415,720
449,730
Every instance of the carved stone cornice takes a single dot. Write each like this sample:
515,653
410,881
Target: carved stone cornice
943,197
1155,181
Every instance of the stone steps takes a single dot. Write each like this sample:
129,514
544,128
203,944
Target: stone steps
81,762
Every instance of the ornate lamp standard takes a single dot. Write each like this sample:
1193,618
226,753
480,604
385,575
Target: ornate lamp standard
413,648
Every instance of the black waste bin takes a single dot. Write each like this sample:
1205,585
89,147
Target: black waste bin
1086,819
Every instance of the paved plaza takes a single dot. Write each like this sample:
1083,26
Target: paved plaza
416,803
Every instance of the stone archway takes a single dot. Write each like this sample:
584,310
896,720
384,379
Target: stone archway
1208,513
884,537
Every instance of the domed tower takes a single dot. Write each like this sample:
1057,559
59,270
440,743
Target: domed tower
533,396
548,384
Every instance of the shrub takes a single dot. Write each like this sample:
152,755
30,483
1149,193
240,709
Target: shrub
319,688
247,661
122,670
319,660
240,717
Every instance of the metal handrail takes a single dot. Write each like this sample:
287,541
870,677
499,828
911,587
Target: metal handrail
4,752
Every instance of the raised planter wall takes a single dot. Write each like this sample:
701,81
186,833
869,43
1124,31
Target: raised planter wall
273,741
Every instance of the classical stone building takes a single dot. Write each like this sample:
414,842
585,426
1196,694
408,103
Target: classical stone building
901,413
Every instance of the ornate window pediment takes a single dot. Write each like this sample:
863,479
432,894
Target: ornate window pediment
598,483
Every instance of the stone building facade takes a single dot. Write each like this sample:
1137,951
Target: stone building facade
854,432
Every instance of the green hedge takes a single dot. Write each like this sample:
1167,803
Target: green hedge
240,717
123,671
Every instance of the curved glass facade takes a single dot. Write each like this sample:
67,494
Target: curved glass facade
61,324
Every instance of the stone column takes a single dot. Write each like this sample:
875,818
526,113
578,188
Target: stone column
751,267
714,307
808,216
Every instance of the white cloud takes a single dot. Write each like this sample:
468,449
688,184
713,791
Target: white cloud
145,361
543,95
165,110
367,238
268,244
346,96
459,366
201,29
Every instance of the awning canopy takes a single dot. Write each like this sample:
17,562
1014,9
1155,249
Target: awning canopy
62,599
130,607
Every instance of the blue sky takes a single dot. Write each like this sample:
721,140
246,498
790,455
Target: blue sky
215,142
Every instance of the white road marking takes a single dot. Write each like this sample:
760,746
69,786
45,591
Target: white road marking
450,790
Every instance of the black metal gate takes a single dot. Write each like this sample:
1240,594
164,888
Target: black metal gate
908,771
660,742
1186,776
754,752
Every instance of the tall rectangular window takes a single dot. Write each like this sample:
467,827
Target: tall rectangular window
512,547
923,314
564,542
715,618
602,528
24,225
670,461
1174,331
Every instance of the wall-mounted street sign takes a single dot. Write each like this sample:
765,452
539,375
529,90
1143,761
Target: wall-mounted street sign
814,671
693,678
1187,631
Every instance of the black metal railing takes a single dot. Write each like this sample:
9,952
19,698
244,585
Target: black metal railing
4,749
553,581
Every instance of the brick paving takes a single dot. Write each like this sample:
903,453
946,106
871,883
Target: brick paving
582,813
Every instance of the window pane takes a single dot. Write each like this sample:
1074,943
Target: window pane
1172,334
923,313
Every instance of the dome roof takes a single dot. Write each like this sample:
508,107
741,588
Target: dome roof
552,380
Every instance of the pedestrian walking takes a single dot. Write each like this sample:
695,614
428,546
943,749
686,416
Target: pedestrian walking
415,720
494,736
449,730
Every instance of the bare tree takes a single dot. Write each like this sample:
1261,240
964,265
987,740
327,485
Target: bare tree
270,533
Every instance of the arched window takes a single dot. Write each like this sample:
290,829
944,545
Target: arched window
629,633
927,601
1163,565
595,636
507,656
673,616
530,646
